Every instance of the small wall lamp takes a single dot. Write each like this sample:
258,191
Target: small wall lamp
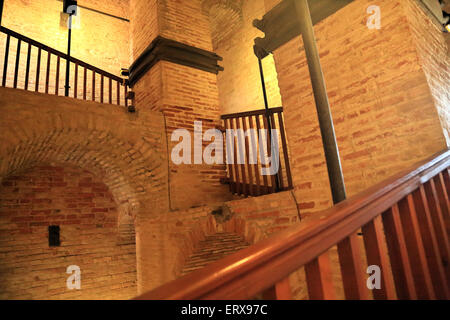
68,10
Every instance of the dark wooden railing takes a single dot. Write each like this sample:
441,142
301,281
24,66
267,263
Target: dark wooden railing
245,178
31,65
405,228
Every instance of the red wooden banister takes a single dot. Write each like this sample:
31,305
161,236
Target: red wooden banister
410,211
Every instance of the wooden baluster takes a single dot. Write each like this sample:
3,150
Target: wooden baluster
229,151
5,65
235,142
429,239
16,70
110,91
47,75
102,82
398,254
27,69
240,152
319,278
247,153
416,251
445,175
57,75
38,69
93,85
280,291
75,82
353,275
85,84
439,225
443,197
261,153
285,151
279,175
269,155
125,91
254,148
118,93
377,254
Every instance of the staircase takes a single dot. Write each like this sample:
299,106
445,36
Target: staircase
213,248
405,231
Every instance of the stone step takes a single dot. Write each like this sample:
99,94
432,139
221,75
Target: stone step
213,248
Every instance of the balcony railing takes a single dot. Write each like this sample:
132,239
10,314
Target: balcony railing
245,177
31,65
404,223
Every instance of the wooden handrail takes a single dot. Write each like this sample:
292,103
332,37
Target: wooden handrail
251,271
251,113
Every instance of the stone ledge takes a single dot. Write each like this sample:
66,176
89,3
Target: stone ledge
175,52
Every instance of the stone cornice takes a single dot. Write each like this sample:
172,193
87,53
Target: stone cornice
176,52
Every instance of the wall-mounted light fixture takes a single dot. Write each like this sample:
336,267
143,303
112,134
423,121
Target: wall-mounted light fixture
69,10
1,11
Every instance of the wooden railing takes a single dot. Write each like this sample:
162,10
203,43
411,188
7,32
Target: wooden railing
31,65
404,222
245,177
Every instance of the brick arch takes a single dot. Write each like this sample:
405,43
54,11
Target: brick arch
235,5
52,149
84,209
225,18
251,232
199,231
206,226
128,153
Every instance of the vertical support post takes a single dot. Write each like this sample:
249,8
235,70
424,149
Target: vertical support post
269,122
1,10
322,104
67,85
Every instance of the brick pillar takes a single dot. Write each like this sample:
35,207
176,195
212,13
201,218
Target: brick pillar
384,113
184,95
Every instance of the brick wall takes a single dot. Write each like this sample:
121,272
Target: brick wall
144,25
84,208
240,84
213,248
183,21
384,115
186,22
434,53
126,151
173,238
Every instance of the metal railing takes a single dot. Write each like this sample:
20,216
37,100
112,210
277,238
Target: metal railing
31,65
